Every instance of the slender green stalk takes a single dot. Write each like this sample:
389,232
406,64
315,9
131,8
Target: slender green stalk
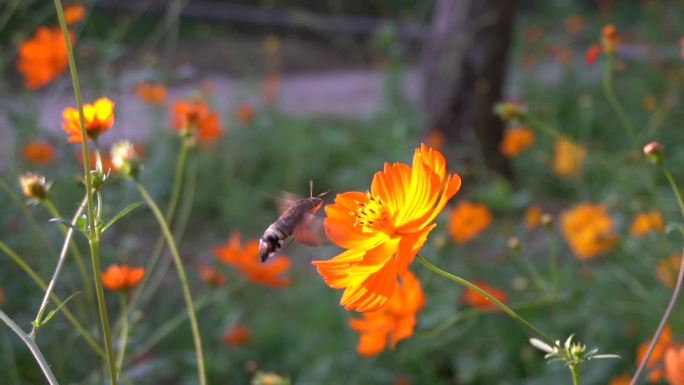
123,336
574,370
614,101
495,301
44,366
168,216
197,339
536,123
55,274
74,249
57,301
92,228
675,293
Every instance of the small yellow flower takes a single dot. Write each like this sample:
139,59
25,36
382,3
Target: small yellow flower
646,222
569,158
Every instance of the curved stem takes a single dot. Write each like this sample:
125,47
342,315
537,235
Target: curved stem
675,293
168,216
495,301
57,301
44,366
613,100
58,269
74,249
197,339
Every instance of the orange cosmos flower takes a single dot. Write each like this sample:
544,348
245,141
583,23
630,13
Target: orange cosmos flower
655,362
674,365
245,113
99,117
569,158
645,223
43,57
593,53
74,14
515,141
623,380
435,139
385,228
574,24
39,152
122,277
212,276
467,220
394,322
474,299
246,260
533,216
609,39
668,269
588,230
196,118
151,93
238,335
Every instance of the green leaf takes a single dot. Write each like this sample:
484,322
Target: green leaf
48,317
82,223
122,214
68,224
672,226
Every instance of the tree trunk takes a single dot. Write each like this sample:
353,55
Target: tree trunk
463,69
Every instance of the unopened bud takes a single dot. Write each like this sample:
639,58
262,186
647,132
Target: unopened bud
263,378
546,220
34,186
654,152
125,159
513,243
510,111
609,39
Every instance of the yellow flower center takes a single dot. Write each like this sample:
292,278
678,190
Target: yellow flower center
372,215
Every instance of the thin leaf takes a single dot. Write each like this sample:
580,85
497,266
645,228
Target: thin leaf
68,224
52,313
122,214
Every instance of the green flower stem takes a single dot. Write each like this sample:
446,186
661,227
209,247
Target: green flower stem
675,293
35,227
536,123
94,236
168,217
123,335
40,359
197,339
574,370
613,100
57,271
55,299
50,207
495,301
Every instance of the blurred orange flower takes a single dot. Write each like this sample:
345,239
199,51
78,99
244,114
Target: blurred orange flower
674,365
74,14
238,335
385,228
246,260
515,141
122,277
569,158
574,24
394,322
196,118
593,53
39,152
467,220
212,276
609,39
533,33
151,93
655,362
474,299
43,57
623,380
649,103
244,113
2,295
435,139
99,117
533,216
668,269
647,222
588,230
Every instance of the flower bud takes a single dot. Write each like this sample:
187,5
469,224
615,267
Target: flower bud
34,186
654,152
510,111
263,378
513,243
609,39
125,159
546,220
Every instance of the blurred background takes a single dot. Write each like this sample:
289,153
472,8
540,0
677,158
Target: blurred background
328,91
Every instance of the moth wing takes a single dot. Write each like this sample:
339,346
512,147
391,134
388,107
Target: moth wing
285,200
310,231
